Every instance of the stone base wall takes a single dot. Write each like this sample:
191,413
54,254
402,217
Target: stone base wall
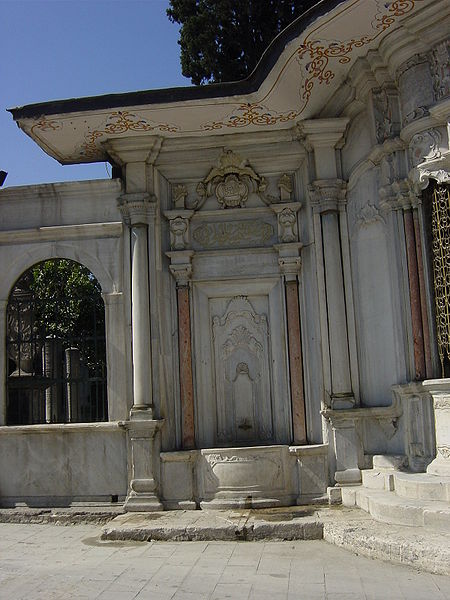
57,465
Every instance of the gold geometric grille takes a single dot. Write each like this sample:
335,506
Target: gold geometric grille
440,228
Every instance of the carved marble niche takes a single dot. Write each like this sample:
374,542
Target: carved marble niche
242,374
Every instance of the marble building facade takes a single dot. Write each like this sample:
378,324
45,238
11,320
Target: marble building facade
266,270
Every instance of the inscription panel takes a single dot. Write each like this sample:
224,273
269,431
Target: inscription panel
233,234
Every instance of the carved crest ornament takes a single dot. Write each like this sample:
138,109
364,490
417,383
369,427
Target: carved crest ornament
231,182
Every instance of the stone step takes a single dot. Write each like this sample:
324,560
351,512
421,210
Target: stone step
417,548
387,507
422,486
377,480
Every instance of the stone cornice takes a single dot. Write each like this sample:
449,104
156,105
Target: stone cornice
134,149
325,133
62,232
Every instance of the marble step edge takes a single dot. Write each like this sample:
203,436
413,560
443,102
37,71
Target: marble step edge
387,507
420,486
424,550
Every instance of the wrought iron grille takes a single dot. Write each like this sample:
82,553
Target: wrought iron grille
440,228
55,346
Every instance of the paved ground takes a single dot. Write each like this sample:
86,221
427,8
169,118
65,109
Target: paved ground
58,563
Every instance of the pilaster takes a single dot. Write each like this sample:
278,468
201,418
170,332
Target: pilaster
290,265
328,202
181,270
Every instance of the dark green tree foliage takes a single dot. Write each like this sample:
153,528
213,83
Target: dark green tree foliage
223,40
68,304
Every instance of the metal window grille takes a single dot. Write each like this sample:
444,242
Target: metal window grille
56,363
440,229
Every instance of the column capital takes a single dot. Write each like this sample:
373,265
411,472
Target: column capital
328,195
289,260
400,195
181,267
137,209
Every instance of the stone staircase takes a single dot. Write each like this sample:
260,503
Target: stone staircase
398,497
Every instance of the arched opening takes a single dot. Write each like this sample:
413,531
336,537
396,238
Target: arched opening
55,345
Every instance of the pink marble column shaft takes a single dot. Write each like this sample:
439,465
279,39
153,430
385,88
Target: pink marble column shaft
414,293
186,380
295,363
423,302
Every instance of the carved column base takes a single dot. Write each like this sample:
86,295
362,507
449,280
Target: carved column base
440,392
143,461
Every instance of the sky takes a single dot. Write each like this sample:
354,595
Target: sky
56,49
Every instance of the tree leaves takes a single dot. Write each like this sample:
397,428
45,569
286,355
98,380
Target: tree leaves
223,40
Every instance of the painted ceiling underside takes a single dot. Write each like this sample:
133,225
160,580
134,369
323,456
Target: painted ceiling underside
300,76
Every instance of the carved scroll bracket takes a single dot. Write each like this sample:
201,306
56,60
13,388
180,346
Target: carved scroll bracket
287,221
179,226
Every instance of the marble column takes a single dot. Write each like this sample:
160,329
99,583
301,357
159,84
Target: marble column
327,196
414,294
142,428
181,270
422,290
137,210
290,264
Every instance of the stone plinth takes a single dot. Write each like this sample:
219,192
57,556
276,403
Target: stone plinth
143,461
440,392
